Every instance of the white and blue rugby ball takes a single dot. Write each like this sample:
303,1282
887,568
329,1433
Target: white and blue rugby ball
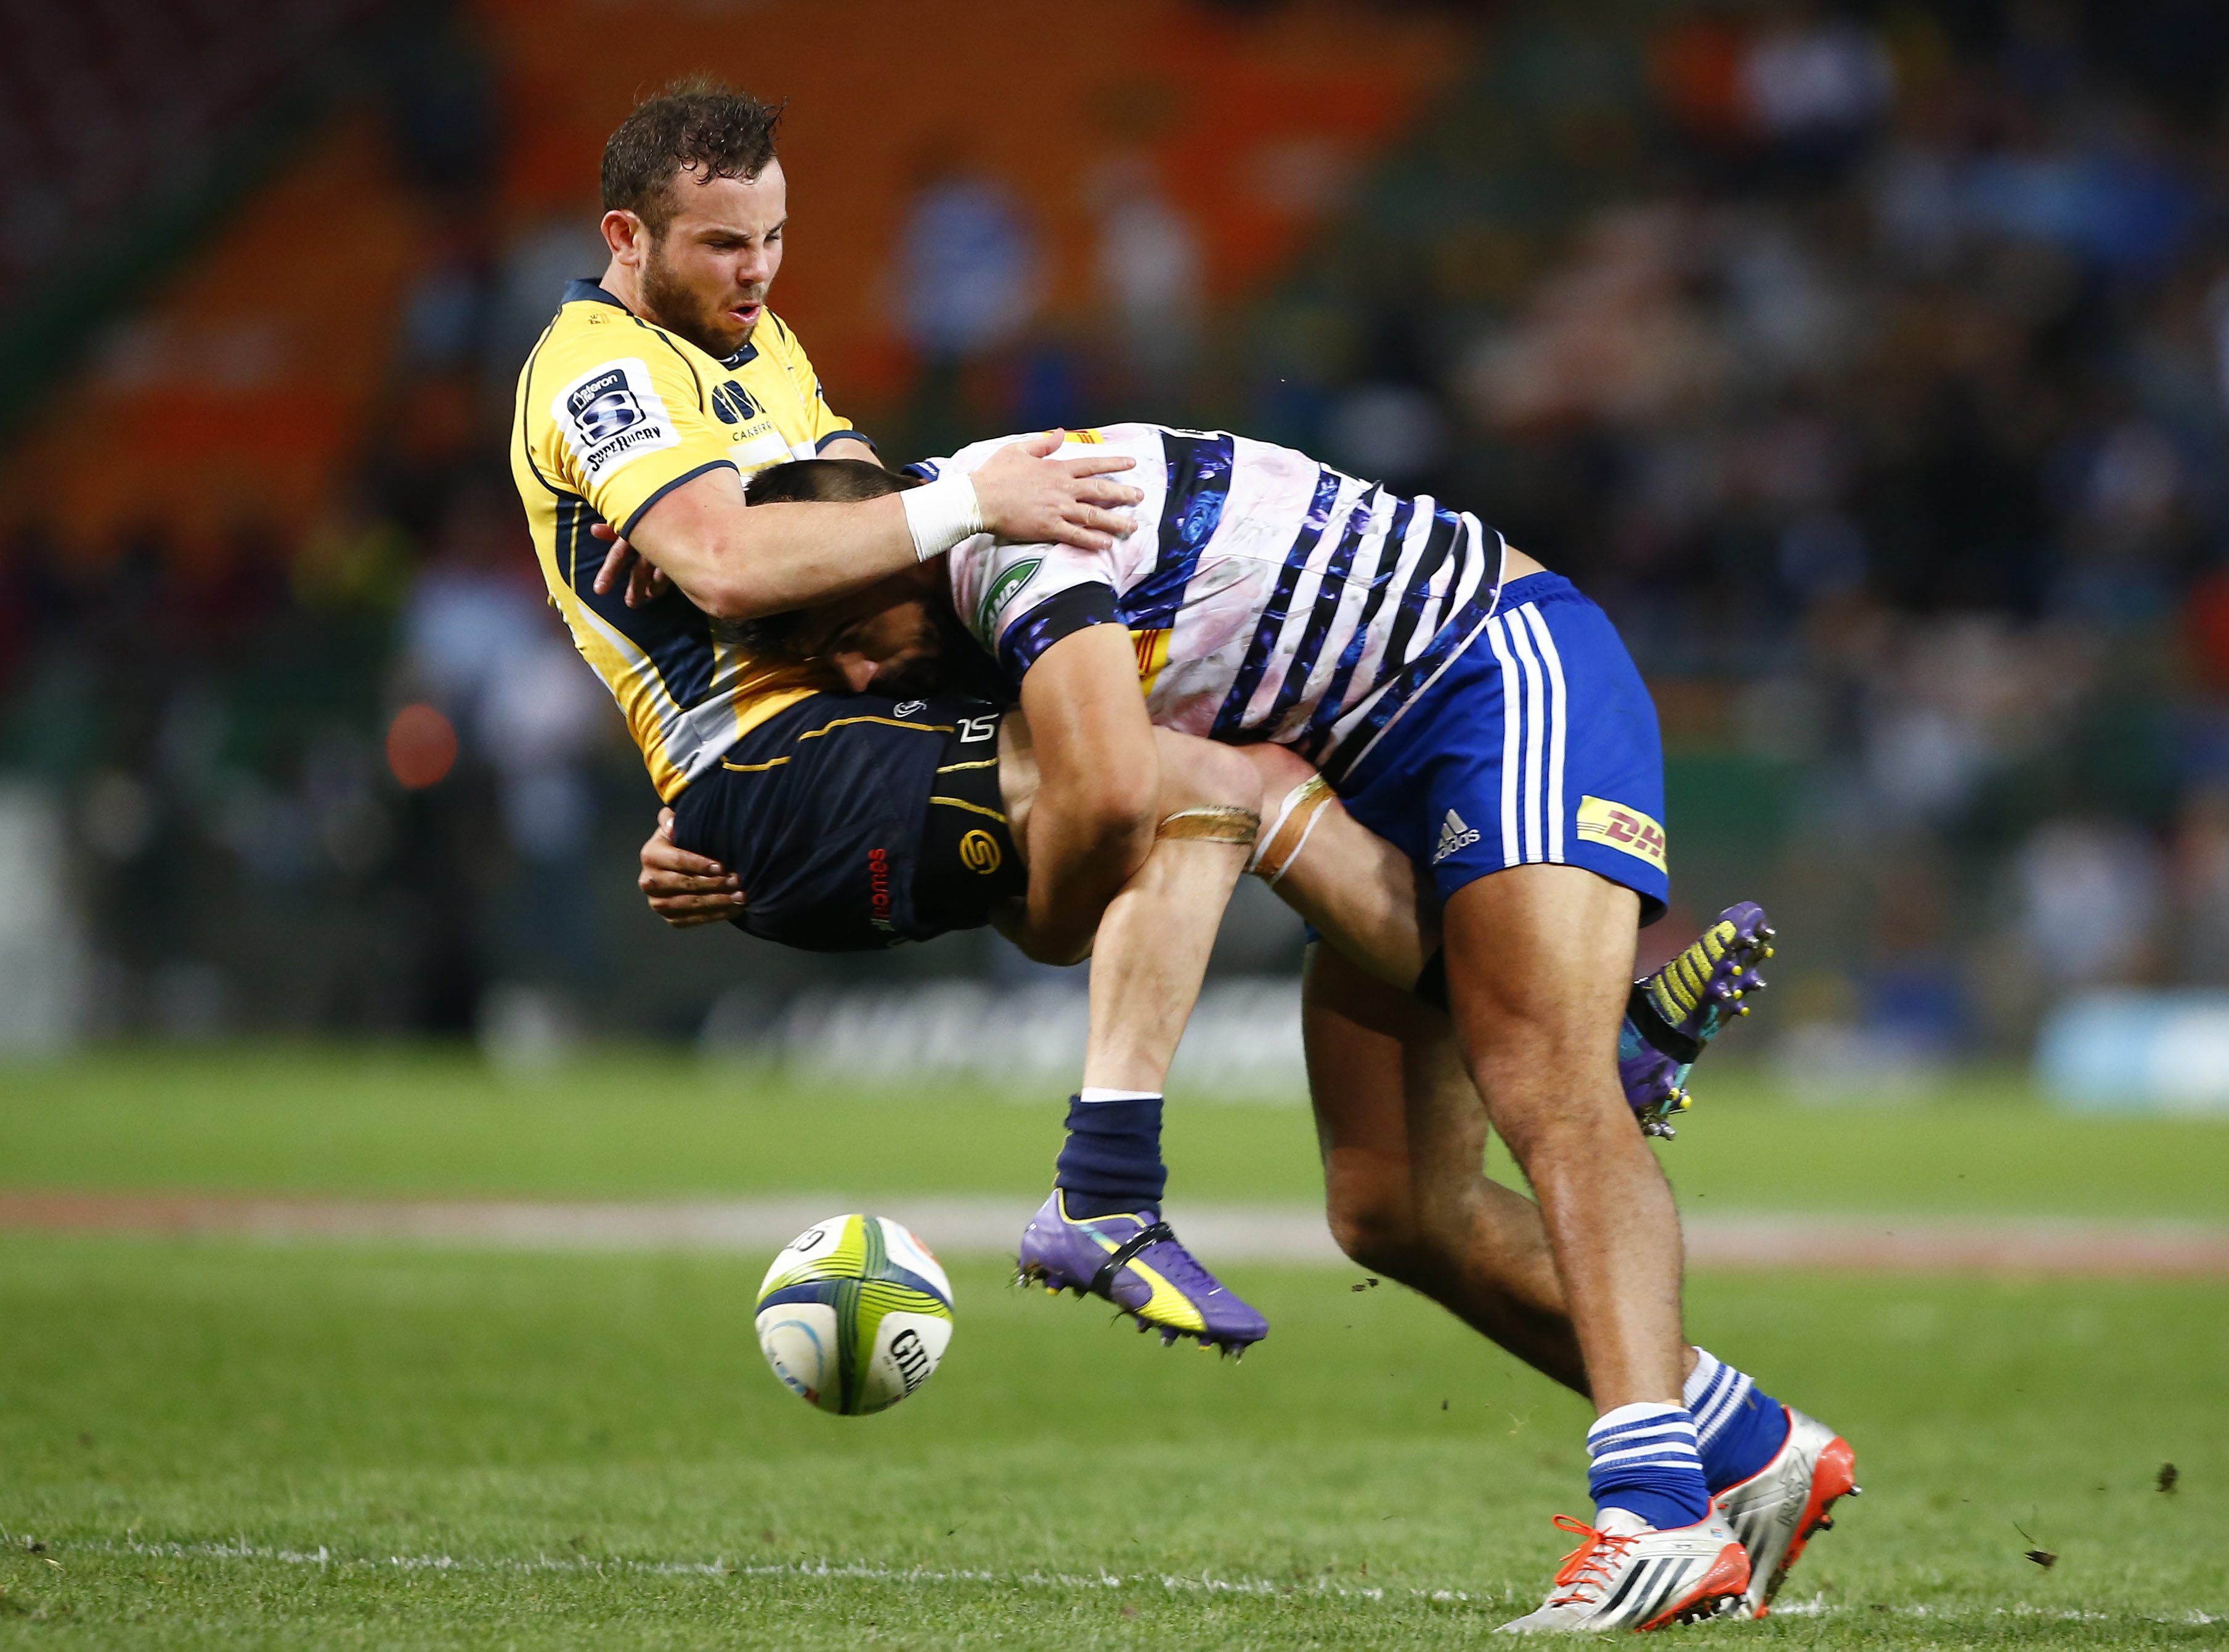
854,1314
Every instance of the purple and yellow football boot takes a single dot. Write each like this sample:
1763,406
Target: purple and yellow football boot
1674,1013
1136,1262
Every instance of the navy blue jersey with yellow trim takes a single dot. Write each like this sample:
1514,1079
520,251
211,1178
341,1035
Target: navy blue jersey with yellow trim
613,413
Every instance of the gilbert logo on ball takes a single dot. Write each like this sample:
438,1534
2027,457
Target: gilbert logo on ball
854,1314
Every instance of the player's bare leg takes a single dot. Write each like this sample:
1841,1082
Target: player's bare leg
1151,955
1101,1231
1350,884
1539,962
1402,1132
1403,1135
1540,966
1360,894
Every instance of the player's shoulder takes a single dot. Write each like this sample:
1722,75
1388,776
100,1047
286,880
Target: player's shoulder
1075,443
1131,434
592,332
778,338
778,347
588,319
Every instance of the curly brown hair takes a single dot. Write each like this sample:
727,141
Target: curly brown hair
696,125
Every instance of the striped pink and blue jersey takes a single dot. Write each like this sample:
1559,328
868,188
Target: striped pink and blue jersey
1270,597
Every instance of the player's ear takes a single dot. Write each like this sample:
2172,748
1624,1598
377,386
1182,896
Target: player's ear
622,234
853,667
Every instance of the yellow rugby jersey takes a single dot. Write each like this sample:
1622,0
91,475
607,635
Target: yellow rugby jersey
613,414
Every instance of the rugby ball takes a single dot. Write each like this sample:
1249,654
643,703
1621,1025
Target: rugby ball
854,1314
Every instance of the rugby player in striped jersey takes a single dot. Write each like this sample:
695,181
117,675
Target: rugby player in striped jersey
1480,716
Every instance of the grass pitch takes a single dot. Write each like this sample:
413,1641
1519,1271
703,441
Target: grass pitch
218,1445
646,1125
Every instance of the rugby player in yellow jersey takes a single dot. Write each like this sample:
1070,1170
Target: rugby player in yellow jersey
858,822
646,401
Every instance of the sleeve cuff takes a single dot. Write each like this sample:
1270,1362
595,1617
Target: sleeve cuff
821,446
626,528
1063,614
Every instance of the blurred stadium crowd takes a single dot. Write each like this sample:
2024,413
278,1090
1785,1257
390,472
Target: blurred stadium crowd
1870,362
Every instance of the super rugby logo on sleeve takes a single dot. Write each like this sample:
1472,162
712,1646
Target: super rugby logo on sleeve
612,413
1623,828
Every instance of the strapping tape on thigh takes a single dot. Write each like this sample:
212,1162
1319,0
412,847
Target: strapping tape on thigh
1216,824
1288,831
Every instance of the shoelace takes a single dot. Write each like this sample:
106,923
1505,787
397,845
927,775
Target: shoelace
1587,1566
1173,1263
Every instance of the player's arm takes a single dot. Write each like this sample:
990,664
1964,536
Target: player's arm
1357,891
1049,615
636,437
1092,823
783,565
644,580
739,564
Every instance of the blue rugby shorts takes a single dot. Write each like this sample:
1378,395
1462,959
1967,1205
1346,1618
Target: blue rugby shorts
1538,743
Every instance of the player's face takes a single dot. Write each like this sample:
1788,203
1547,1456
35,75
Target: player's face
706,277
897,651
890,638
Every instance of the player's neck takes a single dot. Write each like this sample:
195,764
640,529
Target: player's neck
623,284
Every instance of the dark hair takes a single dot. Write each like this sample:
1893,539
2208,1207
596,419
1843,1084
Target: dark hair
825,481
828,482
696,125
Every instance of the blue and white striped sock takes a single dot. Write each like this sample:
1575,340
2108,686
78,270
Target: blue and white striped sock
1738,1427
1643,1460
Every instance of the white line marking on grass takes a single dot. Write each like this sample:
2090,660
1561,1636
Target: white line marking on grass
1232,1233
848,1571
867,1572
1817,1606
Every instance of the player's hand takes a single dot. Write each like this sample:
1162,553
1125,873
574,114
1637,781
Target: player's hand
644,583
1028,496
686,889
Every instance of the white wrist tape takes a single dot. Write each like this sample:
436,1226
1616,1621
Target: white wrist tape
941,514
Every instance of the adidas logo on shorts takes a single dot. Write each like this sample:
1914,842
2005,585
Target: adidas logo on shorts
1454,836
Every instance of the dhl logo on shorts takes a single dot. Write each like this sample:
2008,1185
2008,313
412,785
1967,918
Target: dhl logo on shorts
1622,828
980,853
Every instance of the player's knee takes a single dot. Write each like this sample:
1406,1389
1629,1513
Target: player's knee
1374,1223
1533,1057
1385,1249
1276,769
1197,773
1576,1123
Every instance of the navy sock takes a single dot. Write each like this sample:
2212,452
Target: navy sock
1738,1427
1111,1163
1643,1461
